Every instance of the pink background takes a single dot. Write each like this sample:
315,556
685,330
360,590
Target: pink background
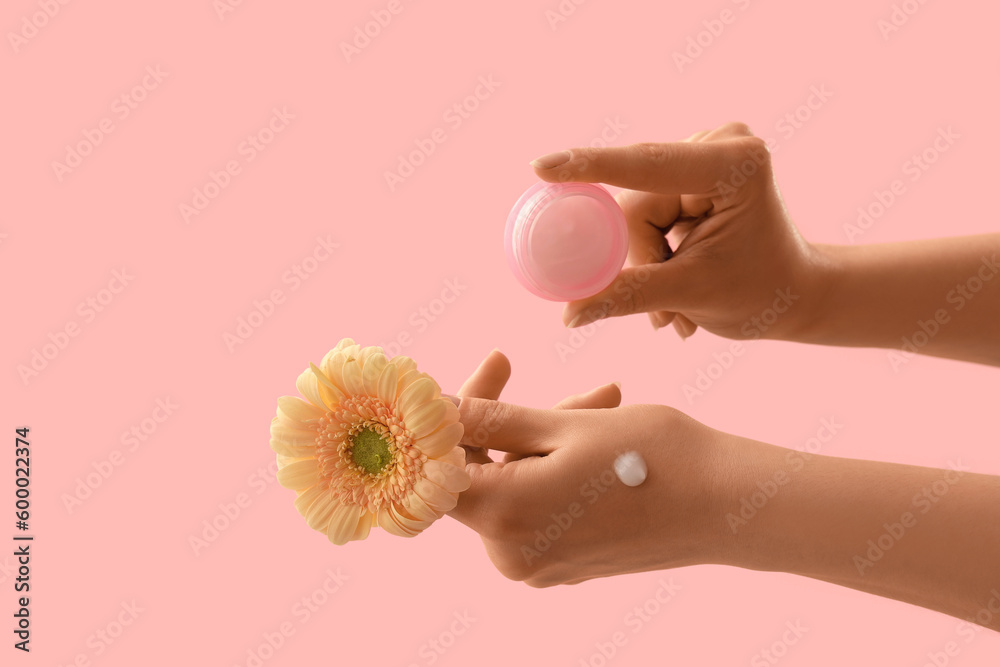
162,336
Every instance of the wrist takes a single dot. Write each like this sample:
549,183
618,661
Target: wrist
817,279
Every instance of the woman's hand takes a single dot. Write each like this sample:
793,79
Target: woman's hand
554,512
739,269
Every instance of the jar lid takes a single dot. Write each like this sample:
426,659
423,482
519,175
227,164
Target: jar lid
566,241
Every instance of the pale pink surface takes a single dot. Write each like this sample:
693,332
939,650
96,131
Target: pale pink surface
608,69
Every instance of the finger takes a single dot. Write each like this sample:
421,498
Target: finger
491,481
671,286
661,318
698,136
508,427
648,216
667,168
684,327
489,379
732,130
607,396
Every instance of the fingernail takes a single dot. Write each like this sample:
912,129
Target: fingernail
658,320
617,384
580,320
457,400
551,160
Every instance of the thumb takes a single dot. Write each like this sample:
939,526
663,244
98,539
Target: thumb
495,484
507,427
637,289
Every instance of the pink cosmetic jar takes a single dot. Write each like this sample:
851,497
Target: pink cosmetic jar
566,241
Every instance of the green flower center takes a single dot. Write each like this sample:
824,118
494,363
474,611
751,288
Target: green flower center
370,451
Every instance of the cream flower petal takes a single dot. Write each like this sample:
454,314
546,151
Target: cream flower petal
333,369
391,520
438,498
387,384
419,509
404,364
293,442
353,382
427,417
371,372
406,379
456,457
344,343
419,392
308,386
295,409
284,461
364,526
451,478
320,512
344,523
299,475
367,353
306,499
441,441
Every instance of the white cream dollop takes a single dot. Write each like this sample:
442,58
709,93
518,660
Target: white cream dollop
631,468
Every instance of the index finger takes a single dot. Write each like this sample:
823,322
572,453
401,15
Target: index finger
507,427
672,168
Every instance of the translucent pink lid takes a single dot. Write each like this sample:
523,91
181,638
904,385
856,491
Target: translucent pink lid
566,241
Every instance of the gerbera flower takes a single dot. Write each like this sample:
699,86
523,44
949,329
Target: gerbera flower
373,444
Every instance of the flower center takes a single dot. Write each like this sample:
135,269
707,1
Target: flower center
370,451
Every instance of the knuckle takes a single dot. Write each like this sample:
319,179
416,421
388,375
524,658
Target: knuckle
737,128
751,156
652,152
515,569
